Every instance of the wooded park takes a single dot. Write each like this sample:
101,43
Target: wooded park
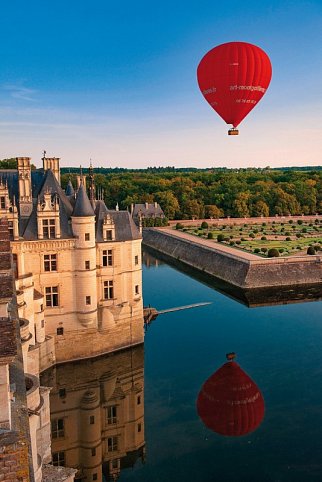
207,193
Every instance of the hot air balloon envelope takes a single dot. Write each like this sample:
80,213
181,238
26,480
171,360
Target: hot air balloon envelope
229,402
233,77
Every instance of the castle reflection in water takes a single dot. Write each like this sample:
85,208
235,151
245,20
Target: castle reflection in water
97,414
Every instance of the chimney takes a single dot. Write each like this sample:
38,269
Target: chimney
52,163
24,181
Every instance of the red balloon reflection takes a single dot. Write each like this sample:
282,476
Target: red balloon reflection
230,403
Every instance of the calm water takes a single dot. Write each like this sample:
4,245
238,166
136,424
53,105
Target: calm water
278,346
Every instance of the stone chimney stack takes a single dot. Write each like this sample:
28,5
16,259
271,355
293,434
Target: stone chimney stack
25,194
52,163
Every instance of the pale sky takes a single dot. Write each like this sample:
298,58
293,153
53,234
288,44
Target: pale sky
116,82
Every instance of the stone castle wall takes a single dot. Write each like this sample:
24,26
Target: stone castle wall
234,268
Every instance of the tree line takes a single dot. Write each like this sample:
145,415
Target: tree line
187,193
214,193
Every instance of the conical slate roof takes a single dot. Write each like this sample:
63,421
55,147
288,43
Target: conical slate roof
69,189
82,205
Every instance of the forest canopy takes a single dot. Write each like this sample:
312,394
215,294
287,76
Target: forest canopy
212,193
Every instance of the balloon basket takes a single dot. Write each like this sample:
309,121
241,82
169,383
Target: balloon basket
233,132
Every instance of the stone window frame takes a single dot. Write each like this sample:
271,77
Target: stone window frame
136,259
48,228
108,235
62,393
87,264
137,290
52,296
59,459
87,236
60,330
113,443
111,414
107,257
50,262
88,300
58,428
108,290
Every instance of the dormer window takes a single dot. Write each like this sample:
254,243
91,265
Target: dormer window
108,228
108,235
49,228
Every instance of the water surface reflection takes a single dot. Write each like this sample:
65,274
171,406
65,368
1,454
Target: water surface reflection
97,414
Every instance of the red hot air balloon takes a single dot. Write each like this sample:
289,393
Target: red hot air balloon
229,402
233,77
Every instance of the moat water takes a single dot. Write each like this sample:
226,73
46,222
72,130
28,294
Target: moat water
280,347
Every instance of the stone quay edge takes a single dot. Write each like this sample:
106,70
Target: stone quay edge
243,270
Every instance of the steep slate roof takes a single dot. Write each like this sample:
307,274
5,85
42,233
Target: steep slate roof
83,206
50,183
37,179
42,181
69,191
125,228
148,210
10,176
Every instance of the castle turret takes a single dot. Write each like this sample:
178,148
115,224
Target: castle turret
83,226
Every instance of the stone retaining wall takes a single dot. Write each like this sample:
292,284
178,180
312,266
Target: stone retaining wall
233,268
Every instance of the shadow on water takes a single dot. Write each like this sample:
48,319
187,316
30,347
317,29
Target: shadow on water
249,297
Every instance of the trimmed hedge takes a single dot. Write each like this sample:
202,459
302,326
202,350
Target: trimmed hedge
273,253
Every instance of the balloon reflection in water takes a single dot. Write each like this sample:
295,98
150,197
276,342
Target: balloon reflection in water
229,402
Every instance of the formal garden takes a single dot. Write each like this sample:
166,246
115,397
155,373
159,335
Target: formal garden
267,239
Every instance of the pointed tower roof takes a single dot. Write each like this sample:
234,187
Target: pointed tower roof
82,205
69,189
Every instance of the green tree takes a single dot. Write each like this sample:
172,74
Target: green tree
241,205
260,208
193,209
212,211
169,203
